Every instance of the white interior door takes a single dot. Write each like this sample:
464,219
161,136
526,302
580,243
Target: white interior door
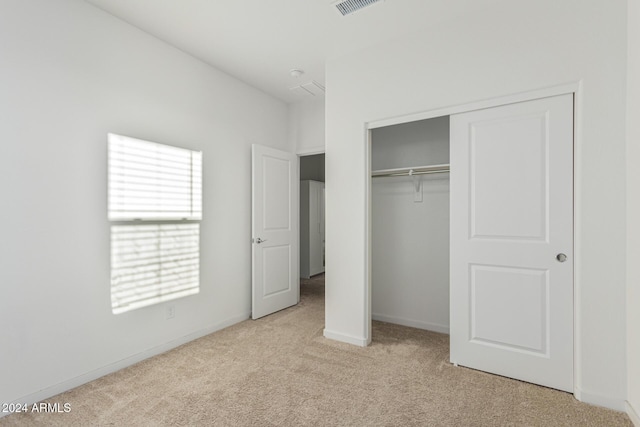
274,197
512,241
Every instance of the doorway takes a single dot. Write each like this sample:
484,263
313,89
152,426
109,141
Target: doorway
410,224
312,223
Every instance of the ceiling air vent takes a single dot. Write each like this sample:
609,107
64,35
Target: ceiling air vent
347,7
313,88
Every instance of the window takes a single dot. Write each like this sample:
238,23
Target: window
155,208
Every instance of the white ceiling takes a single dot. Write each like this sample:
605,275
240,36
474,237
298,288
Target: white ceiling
259,41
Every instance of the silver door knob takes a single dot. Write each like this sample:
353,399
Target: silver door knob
259,240
561,257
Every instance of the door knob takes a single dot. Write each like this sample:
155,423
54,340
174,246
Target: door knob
259,240
561,257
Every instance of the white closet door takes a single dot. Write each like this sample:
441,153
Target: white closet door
512,241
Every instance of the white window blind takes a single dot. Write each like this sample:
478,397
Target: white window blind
152,263
158,259
153,181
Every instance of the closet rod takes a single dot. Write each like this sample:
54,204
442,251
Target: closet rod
421,170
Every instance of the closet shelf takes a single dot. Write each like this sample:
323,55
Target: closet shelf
417,170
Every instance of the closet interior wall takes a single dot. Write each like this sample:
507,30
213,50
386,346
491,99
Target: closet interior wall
410,239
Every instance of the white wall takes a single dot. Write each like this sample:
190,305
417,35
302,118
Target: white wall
410,240
505,49
71,73
306,126
633,212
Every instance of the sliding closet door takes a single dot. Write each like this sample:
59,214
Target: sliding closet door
512,241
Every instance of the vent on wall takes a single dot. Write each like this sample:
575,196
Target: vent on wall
347,7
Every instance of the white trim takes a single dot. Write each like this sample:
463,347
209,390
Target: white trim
577,238
311,152
477,105
632,413
297,219
366,310
599,400
338,336
435,327
121,364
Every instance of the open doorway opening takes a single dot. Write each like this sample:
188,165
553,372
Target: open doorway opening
410,224
312,251
312,226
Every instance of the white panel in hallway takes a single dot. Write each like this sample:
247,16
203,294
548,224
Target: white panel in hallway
311,228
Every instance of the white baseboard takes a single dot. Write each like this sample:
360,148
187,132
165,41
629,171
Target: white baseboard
599,400
338,336
633,414
435,327
121,364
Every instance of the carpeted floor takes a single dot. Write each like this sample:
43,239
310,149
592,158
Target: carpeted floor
280,371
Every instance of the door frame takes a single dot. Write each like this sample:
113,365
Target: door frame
300,154
574,88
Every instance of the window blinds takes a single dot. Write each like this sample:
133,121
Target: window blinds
152,263
157,260
153,181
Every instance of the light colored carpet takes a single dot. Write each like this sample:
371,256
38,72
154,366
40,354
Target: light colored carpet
280,371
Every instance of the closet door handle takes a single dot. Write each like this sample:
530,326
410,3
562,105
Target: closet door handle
561,257
259,240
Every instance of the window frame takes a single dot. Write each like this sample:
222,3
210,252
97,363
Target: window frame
161,220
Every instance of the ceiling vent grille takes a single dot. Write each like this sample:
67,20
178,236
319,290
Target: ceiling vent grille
313,88
347,7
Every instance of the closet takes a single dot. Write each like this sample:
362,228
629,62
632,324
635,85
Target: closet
492,241
410,224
